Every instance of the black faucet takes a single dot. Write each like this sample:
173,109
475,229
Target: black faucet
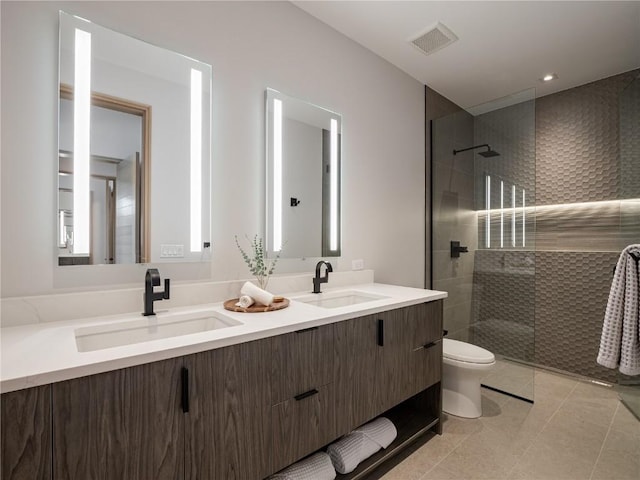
317,280
152,279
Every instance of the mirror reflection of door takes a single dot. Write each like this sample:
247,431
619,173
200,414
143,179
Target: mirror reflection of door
118,181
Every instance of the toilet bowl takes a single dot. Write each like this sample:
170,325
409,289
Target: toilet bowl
463,365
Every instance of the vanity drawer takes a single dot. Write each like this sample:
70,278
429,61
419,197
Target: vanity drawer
425,322
303,424
427,362
301,360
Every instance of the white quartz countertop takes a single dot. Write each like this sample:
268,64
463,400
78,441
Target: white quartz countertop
42,353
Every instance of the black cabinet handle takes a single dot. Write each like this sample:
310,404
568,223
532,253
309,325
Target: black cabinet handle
307,329
381,332
185,389
431,344
304,395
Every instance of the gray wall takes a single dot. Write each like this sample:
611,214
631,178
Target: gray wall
565,295
251,46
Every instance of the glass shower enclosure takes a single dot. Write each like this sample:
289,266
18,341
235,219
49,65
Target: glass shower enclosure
483,196
629,109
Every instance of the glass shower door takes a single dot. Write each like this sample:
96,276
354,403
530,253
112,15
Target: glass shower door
629,387
483,197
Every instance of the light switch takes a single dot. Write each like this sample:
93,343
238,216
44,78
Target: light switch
171,251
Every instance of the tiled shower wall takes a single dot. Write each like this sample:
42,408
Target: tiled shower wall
578,159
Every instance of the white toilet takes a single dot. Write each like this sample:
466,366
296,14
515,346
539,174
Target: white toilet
463,365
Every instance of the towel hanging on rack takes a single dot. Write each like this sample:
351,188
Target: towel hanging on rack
620,340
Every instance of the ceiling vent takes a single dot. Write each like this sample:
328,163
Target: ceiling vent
434,39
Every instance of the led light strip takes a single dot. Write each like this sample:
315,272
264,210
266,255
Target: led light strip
513,215
196,160
333,172
81,142
277,175
488,210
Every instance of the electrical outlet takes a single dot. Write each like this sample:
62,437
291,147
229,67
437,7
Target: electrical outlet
357,264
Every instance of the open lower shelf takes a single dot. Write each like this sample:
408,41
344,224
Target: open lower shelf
411,423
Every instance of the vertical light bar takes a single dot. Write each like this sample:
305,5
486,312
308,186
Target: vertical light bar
501,214
81,142
62,235
196,160
513,216
277,175
523,219
333,172
488,205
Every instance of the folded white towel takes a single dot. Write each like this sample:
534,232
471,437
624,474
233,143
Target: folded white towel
245,301
259,295
316,467
347,453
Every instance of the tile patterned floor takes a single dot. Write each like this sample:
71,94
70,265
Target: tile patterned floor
573,431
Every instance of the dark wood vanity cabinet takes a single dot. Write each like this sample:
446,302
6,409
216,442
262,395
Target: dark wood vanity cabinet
238,412
228,425
26,434
152,421
384,359
123,424
303,393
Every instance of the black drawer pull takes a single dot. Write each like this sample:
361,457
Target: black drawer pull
185,389
429,345
304,395
380,332
307,329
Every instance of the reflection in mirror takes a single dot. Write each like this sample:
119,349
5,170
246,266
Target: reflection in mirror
303,178
134,152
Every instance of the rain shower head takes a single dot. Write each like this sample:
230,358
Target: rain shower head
486,154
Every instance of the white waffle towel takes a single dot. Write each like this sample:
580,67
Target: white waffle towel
620,340
259,295
347,453
316,467
245,301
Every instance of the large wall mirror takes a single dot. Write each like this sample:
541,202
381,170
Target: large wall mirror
133,151
303,178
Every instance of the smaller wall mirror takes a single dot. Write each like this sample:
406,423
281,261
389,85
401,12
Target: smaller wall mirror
303,146
133,150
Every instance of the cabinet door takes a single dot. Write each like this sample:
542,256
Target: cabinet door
356,350
301,361
394,374
228,430
125,424
26,434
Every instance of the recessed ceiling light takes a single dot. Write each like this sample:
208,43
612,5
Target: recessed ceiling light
548,77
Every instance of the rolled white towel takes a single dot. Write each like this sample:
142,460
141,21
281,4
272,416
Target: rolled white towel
381,430
347,453
245,301
259,295
316,467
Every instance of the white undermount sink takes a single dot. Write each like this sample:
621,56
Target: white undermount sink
341,298
144,329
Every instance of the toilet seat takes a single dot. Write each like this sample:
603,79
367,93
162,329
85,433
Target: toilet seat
465,352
